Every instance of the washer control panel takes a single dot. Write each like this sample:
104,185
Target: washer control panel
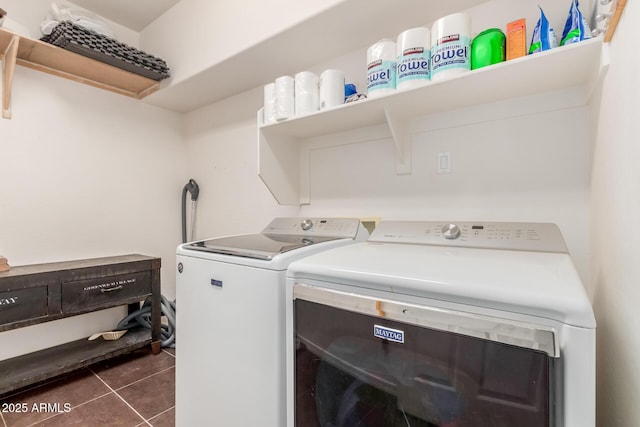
325,227
525,236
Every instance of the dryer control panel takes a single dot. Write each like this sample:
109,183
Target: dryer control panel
321,227
524,236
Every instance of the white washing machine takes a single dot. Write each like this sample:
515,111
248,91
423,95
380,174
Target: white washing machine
230,361
435,324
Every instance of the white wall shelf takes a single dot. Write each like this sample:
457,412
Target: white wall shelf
279,160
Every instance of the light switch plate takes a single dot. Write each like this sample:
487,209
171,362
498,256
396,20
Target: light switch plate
444,162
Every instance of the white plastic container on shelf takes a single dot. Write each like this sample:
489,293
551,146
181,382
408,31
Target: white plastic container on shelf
285,105
306,93
331,88
381,68
451,46
414,56
269,103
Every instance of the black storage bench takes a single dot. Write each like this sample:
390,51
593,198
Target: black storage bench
41,293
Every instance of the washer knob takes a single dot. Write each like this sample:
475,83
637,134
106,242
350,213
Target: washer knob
306,224
451,231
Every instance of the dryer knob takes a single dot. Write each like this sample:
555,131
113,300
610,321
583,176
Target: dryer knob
451,231
306,224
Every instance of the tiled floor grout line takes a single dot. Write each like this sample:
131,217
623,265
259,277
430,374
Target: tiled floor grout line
4,423
157,415
170,354
121,398
77,406
163,412
142,379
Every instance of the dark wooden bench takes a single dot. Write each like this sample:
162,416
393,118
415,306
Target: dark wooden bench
40,293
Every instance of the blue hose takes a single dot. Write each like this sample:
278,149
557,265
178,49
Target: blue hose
142,318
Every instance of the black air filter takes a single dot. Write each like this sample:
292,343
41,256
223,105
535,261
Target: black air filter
89,43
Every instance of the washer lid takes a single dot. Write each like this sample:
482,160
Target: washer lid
258,246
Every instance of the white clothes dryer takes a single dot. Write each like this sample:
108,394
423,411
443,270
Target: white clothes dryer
230,361
436,324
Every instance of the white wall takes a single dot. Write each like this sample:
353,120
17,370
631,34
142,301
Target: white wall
85,173
615,230
501,170
25,18
196,34
222,157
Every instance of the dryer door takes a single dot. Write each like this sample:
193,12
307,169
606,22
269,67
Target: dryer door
357,365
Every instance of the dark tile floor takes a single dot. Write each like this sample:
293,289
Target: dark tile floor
136,389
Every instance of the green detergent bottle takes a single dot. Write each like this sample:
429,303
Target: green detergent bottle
488,48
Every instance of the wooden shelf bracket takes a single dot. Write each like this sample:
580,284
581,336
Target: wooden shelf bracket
617,8
8,66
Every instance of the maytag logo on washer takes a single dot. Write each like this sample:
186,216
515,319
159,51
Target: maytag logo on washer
388,334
